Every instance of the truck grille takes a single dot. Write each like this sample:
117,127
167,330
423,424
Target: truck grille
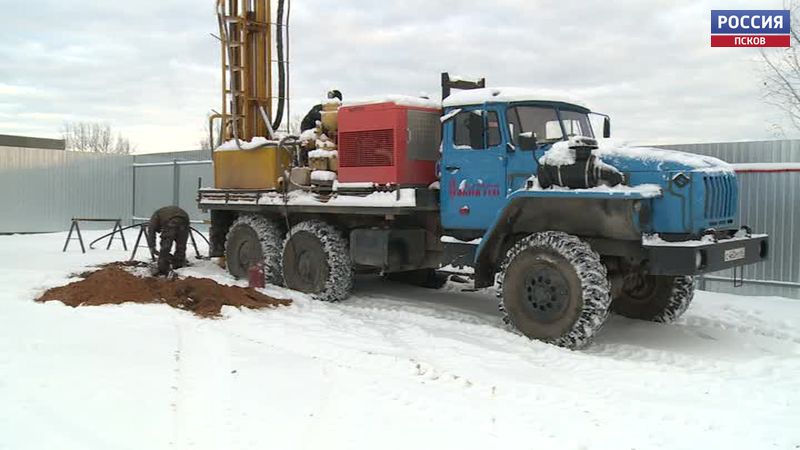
721,197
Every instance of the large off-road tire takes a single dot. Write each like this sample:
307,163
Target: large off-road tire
554,288
316,260
427,278
654,298
254,239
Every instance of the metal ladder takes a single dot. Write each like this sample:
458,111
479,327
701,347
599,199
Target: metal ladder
245,36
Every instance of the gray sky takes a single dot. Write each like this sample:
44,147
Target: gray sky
151,69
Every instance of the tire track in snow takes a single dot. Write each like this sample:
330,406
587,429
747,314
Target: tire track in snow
402,353
444,350
202,409
175,404
385,336
756,326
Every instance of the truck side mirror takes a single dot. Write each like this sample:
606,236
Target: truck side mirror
607,127
510,146
527,141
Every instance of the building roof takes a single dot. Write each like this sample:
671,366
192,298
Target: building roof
31,142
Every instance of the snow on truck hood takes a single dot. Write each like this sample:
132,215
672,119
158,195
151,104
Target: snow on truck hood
508,94
637,159
658,159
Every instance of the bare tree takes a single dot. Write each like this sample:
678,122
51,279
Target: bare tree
95,137
782,73
123,146
294,124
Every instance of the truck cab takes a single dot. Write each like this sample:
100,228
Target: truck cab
498,143
522,176
491,149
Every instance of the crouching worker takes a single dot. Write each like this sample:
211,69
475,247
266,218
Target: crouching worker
173,224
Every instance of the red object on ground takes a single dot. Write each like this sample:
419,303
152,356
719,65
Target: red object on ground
388,143
256,276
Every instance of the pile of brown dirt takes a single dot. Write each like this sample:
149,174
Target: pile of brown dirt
112,285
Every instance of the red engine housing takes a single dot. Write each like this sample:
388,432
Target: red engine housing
388,143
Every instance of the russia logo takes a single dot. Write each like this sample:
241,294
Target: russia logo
750,28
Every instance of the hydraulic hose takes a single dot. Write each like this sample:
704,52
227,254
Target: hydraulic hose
281,68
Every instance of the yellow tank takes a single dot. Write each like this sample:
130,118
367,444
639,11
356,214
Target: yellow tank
250,169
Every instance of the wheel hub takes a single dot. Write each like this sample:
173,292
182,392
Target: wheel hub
249,253
305,263
547,293
305,267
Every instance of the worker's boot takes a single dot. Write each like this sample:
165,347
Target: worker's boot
154,269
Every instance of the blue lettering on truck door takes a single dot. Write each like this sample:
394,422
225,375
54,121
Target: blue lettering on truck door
473,184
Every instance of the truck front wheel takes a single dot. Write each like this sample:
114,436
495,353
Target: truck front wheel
316,260
254,239
654,298
554,288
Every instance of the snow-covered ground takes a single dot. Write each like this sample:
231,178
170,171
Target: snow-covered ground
396,367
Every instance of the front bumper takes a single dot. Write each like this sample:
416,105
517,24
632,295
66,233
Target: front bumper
699,257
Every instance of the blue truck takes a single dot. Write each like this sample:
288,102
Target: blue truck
566,230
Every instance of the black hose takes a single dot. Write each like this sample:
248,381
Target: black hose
281,69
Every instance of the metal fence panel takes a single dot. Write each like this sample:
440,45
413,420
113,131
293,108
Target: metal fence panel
153,189
192,176
160,183
745,152
43,189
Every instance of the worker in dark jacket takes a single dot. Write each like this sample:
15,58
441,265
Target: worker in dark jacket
310,120
173,224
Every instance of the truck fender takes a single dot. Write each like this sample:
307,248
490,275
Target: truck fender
618,215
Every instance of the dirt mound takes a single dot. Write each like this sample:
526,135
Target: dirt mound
113,285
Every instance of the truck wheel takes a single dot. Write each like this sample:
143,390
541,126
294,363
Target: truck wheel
427,278
654,298
316,260
554,288
254,239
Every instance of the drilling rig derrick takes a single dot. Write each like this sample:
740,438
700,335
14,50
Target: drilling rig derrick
250,107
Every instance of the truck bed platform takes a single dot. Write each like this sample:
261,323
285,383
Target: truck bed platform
399,201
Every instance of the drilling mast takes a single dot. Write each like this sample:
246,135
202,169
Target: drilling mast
246,35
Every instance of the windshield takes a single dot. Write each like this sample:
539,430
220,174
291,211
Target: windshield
543,121
576,124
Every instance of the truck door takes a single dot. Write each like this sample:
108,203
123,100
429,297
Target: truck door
473,181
